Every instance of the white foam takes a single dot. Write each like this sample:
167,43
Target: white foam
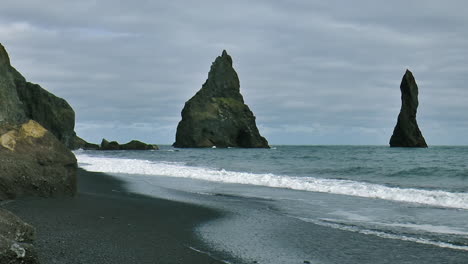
429,228
345,187
330,223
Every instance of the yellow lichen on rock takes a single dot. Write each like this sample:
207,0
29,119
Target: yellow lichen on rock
27,130
8,140
32,129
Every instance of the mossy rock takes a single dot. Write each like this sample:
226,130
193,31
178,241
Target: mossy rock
217,115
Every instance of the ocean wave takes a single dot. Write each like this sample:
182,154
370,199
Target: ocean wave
383,234
344,187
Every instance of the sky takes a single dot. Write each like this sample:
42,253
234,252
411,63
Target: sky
313,72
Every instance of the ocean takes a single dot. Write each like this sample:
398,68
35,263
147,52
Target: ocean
311,204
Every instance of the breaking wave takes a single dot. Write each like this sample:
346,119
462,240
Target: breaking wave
343,187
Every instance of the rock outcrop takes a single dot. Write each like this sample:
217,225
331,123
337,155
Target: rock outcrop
138,145
216,115
52,112
16,237
22,100
132,145
406,132
33,162
109,145
83,144
11,108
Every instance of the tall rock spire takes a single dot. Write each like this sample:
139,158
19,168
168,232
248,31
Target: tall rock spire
406,132
216,115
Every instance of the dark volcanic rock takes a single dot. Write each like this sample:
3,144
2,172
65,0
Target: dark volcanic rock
132,145
80,143
11,108
106,145
32,160
22,100
138,145
216,115
52,112
15,240
406,132
34,163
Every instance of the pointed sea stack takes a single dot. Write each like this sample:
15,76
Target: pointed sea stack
406,132
216,116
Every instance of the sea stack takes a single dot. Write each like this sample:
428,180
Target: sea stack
406,132
216,115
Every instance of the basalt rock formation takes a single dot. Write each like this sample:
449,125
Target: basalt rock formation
138,145
52,112
11,108
83,144
406,132
216,115
112,145
16,237
22,100
132,145
33,160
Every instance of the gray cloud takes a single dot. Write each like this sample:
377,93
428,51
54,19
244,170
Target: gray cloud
313,72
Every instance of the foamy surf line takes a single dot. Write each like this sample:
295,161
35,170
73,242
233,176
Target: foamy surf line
344,187
326,222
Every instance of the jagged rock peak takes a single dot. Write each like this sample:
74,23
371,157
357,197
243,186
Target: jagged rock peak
406,132
4,58
216,115
225,56
222,79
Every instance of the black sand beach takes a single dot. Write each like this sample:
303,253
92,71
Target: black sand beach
106,224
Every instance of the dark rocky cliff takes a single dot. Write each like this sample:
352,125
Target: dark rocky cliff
33,160
406,132
22,100
11,108
52,112
216,115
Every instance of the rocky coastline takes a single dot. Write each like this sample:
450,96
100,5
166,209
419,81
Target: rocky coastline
36,138
36,134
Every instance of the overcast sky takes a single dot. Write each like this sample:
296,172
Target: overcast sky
313,72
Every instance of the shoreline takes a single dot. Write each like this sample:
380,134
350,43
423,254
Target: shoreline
105,223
